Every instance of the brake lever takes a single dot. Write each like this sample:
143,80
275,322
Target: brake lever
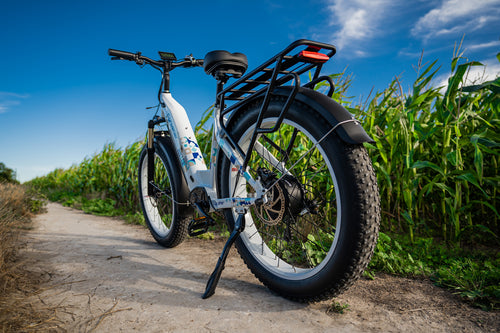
117,58
138,59
191,59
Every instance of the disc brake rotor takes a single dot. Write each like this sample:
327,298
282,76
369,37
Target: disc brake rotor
273,210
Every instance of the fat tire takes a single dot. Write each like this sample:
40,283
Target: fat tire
360,207
177,230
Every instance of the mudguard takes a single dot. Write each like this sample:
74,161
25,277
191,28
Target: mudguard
165,145
349,132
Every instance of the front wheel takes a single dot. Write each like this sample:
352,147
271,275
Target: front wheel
316,233
162,209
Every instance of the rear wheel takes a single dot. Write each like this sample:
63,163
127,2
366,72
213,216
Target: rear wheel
161,209
317,231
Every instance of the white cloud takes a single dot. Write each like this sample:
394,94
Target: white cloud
5,94
490,71
455,16
358,20
9,99
483,45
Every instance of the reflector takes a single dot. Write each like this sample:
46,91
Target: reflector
313,56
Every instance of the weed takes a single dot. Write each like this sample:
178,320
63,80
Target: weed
207,236
337,307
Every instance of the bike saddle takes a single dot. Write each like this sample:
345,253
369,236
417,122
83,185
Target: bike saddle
223,62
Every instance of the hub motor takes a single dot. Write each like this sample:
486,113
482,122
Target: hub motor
285,197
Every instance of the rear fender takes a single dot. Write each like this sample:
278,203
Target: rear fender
350,132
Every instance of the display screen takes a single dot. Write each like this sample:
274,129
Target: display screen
167,56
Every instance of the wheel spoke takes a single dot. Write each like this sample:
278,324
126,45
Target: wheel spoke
292,231
290,145
158,207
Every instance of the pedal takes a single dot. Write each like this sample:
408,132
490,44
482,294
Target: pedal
200,225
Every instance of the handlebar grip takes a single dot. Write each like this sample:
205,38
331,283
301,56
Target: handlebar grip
121,54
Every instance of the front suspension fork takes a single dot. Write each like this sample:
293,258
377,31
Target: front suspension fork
151,158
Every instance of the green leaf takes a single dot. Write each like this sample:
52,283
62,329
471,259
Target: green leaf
471,178
382,152
445,188
493,85
384,238
474,63
456,78
487,204
407,198
486,230
419,99
454,63
484,141
430,185
427,71
478,162
427,164
381,168
407,217
369,145
411,258
452,157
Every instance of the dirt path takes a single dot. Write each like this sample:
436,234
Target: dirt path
106,276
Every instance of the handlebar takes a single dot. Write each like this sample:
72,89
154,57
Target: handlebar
165,64
122,54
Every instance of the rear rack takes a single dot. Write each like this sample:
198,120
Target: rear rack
275,72
298,58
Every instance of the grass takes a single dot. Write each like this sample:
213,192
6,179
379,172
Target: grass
337,307
17,206
472,274
436,156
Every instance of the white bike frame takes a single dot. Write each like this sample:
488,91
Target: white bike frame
192,162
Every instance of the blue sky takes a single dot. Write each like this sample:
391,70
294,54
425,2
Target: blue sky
62,99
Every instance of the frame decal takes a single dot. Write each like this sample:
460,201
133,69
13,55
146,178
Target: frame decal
191,152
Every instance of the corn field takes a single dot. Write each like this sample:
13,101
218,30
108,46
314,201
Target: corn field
436,155
112,173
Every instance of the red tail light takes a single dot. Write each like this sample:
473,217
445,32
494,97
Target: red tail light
313,56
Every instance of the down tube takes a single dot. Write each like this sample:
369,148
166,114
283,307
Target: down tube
185,142
238,163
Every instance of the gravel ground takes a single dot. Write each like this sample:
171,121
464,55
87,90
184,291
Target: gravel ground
100,275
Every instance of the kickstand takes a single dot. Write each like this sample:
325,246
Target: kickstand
239,226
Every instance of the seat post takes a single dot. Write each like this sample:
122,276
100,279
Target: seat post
221,81
220,86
